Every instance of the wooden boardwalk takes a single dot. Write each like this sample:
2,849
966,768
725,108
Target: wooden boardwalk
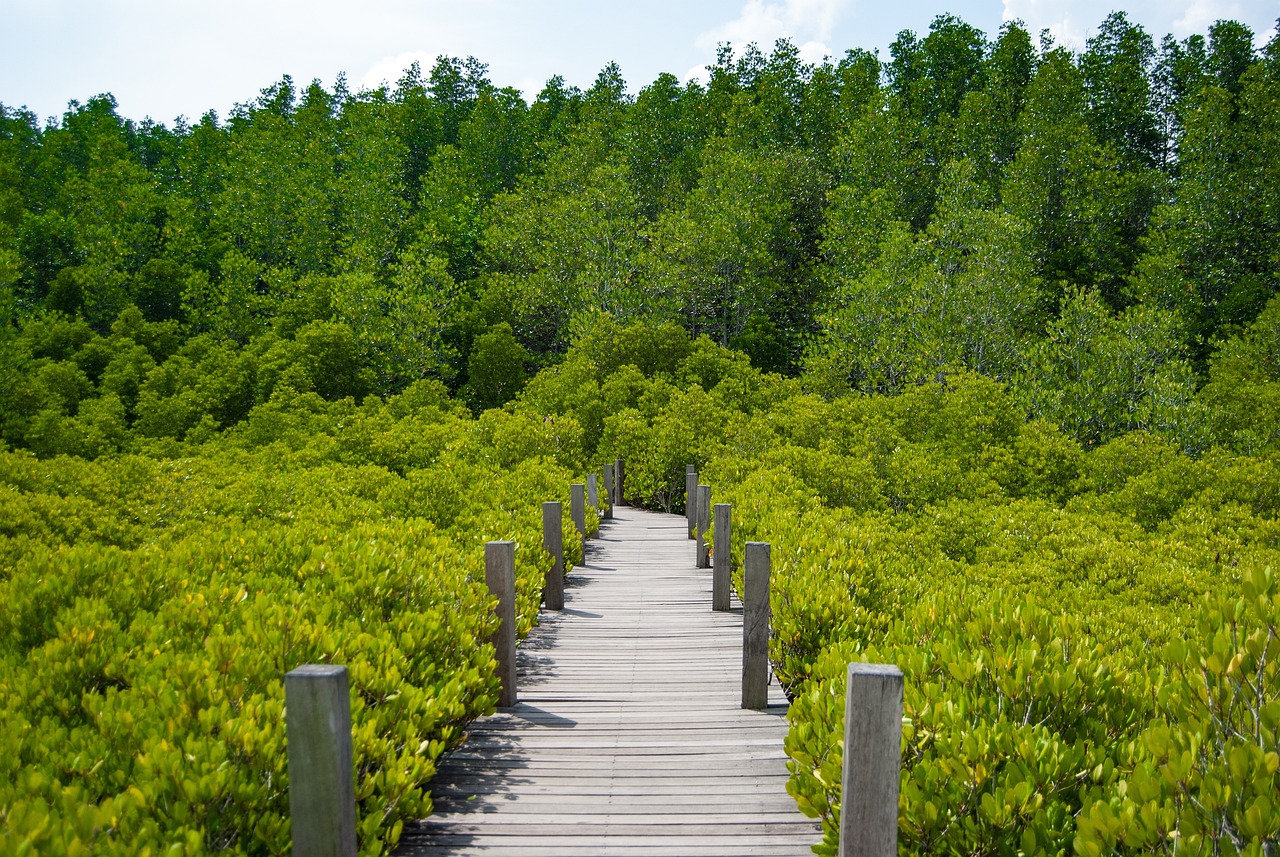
629,738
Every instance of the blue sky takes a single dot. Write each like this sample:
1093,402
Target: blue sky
164,58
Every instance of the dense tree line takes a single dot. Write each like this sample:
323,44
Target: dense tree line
1087,227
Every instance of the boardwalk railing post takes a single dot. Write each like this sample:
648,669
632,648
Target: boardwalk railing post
578,508
322,791
691,497
703,524
869,782
553,543
618,490
500,575
755,626
608,492
720,558
593,491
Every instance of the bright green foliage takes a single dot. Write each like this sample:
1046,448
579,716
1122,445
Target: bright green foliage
1206,774
154,604
496,369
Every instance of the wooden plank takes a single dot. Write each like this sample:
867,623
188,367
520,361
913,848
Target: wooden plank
628,737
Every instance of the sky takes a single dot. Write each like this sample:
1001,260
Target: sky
167,58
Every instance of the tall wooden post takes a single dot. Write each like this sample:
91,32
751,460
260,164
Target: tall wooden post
500,575
869,782
593,491
703,524
691,498
578,508
322,792
553,543
755,626
720,558
608,491
619,491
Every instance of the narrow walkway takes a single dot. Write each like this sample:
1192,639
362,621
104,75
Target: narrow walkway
629,738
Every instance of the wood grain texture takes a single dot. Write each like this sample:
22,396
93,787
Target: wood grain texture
629,738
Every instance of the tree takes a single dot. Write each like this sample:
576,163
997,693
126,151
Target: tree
495,370
1116,66
664,134
1098,374
1209,256
963,292
567,241
1086,206
746,235
371,204
278,204
987,126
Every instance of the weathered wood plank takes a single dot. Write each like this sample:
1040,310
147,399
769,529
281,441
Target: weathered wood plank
629,737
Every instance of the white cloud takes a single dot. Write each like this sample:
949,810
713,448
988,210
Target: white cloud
390,69
1038,15
1073,23
808,23
1200,14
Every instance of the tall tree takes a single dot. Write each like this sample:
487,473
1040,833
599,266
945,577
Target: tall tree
371,204
278,202
1210,255
666,129
1117,64
1085,208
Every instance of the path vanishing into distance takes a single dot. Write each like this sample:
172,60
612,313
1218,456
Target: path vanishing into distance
629,737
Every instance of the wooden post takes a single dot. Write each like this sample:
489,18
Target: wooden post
578,508
553,543
500,575
691,498
720,558
703,524
755,626
869,782
608,492
593,491
618,492
322,791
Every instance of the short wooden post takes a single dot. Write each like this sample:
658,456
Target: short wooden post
869,782
322,791
593,491
619,495
553,543
755,626
691,497
720,558
608,491
578,508
703,524
500,575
